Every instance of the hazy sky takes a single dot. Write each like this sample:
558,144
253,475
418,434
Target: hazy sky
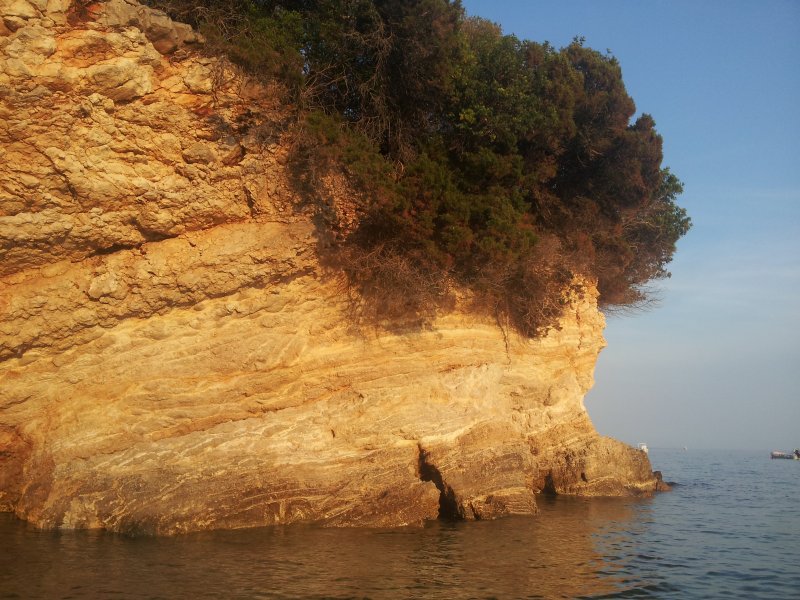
717,364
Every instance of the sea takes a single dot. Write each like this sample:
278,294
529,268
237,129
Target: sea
729,529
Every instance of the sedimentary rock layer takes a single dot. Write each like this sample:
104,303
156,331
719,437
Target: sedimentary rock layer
172,355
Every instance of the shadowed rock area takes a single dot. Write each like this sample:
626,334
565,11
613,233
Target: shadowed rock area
173,357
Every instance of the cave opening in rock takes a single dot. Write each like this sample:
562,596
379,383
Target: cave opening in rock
549,488
448,506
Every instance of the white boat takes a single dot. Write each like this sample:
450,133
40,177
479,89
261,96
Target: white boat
643,447
790,455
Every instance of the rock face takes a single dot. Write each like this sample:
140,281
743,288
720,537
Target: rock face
172,355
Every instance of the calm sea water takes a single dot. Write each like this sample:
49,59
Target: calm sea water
731,529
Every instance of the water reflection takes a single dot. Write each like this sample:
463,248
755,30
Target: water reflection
574,548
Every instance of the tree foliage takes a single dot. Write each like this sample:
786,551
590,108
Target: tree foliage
503,165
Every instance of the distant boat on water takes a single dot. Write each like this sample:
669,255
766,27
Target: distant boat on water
790,455
643,447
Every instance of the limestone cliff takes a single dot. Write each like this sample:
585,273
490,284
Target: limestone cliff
172,355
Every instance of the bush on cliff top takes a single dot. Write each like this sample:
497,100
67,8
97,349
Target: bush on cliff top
500,164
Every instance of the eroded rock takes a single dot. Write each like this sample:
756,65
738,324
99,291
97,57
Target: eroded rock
174,358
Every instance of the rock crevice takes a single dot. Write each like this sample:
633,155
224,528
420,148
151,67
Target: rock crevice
448,505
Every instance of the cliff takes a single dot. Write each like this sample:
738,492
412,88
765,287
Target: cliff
173,356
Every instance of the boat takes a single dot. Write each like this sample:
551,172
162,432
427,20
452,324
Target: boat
643,447
788,455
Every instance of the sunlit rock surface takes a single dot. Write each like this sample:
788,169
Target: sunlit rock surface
172,355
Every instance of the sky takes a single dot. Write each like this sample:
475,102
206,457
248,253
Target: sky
717,363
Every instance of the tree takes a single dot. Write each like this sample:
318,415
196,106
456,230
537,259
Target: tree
501,165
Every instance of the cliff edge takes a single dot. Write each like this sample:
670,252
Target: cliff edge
173,357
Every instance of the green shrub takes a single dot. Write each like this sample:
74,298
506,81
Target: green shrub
501,165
